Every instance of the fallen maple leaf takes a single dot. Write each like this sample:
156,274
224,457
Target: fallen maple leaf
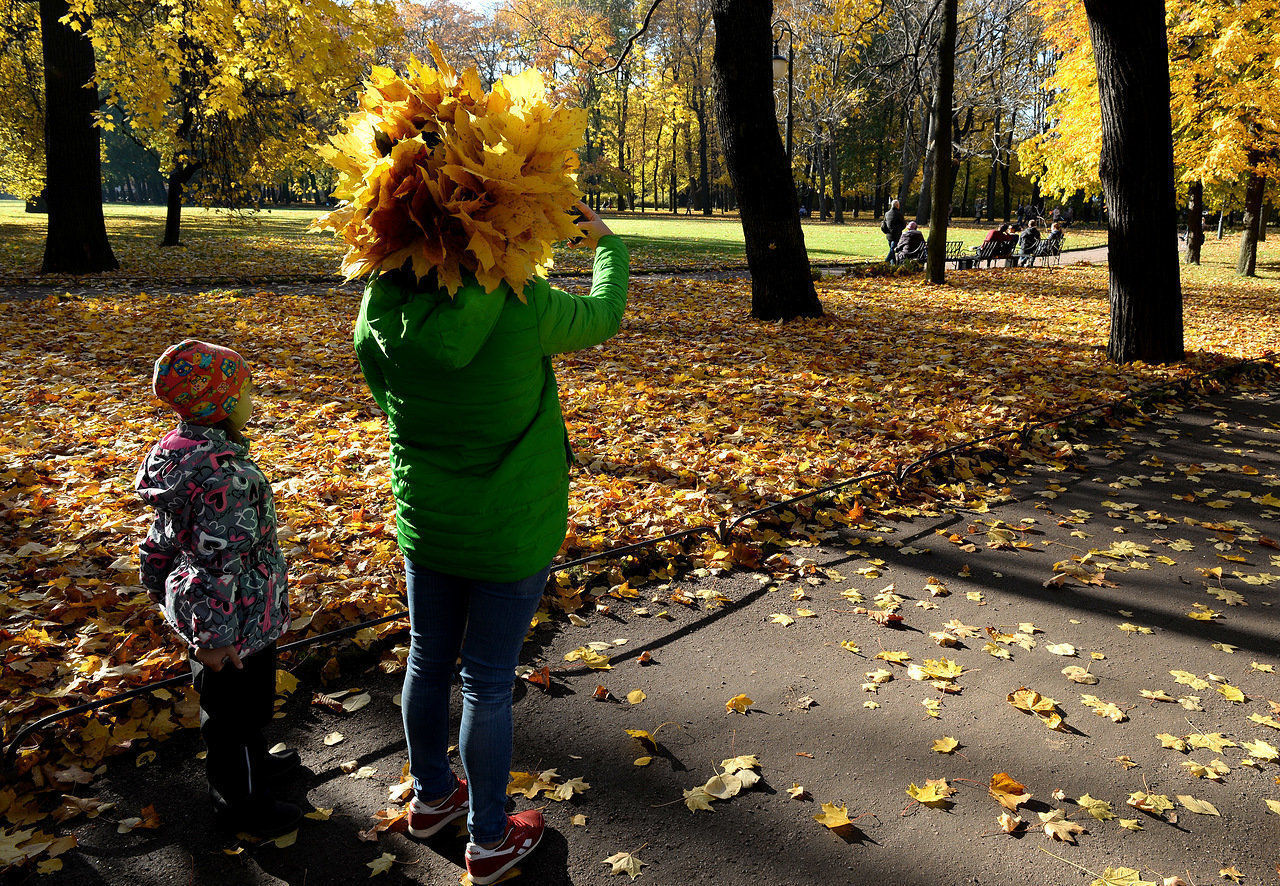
1121,877
1155,804
1200,807
625,863
935,793
1008,793
1009,823
739,703
1077,674
589,657
697,799
381,864
1058,827
833,816
1099,809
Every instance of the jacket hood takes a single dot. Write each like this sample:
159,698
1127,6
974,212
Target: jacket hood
428,327
180,461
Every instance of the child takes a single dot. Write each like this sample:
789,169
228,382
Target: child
212,562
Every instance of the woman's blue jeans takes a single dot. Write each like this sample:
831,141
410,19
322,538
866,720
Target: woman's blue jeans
485,623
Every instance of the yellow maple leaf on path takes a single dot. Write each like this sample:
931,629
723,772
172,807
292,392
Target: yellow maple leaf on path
936,793
833,816
624,863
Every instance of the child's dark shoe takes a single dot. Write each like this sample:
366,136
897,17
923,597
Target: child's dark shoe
265,820
282,764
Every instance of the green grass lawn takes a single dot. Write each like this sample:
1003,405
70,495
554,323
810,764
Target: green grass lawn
276,242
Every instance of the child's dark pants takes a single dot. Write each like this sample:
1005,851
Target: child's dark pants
235,707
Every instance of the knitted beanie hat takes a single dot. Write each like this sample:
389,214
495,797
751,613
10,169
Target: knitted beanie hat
202,382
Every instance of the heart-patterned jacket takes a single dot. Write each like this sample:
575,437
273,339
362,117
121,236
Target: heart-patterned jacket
211,559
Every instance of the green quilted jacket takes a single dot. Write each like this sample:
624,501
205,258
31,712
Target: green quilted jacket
479,449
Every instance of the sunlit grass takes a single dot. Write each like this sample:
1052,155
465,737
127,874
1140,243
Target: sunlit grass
276,243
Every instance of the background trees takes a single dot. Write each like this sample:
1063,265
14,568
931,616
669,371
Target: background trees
223,100
1225,109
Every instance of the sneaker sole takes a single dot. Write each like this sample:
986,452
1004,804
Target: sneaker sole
422,833
497,875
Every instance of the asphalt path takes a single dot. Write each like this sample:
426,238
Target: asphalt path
1149,548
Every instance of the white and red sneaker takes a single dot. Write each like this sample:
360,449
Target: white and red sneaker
426,821
524,832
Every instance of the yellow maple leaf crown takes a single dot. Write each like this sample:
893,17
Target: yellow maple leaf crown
437,174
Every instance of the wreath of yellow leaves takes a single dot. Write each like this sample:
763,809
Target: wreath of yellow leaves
434,171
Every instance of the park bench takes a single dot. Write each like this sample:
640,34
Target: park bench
991,251
1048,250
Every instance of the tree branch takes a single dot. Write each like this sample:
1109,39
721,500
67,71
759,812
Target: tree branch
631,41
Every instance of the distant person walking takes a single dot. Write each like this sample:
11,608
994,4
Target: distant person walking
893,224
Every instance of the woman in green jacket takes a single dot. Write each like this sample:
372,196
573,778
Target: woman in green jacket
480,473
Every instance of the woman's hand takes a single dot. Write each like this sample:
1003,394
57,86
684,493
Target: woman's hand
214,659
593,227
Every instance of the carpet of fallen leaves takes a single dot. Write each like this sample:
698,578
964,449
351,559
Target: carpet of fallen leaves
689,415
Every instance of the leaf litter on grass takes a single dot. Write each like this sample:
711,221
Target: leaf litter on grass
68,500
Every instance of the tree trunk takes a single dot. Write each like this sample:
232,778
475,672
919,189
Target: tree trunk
675,131
822,183
991,173
907,164
1195,221
704,175
1005,163
781,279
837,210
1262,222
178,178
1136,169
925,203
76,238
1247,264
622,138
940,152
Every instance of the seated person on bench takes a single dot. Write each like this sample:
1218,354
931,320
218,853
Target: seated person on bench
911,246
1027,241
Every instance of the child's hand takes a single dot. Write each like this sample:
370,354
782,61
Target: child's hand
214,659
593,227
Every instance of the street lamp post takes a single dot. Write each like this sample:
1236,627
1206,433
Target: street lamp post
784,27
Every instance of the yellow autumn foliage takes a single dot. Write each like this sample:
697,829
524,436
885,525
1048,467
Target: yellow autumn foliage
441,175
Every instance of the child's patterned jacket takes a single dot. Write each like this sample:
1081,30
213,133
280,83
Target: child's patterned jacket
211,558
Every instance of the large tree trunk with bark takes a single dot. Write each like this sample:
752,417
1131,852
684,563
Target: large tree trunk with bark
76,241
940,150
1247,264
1195,221
781,281
1136,168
